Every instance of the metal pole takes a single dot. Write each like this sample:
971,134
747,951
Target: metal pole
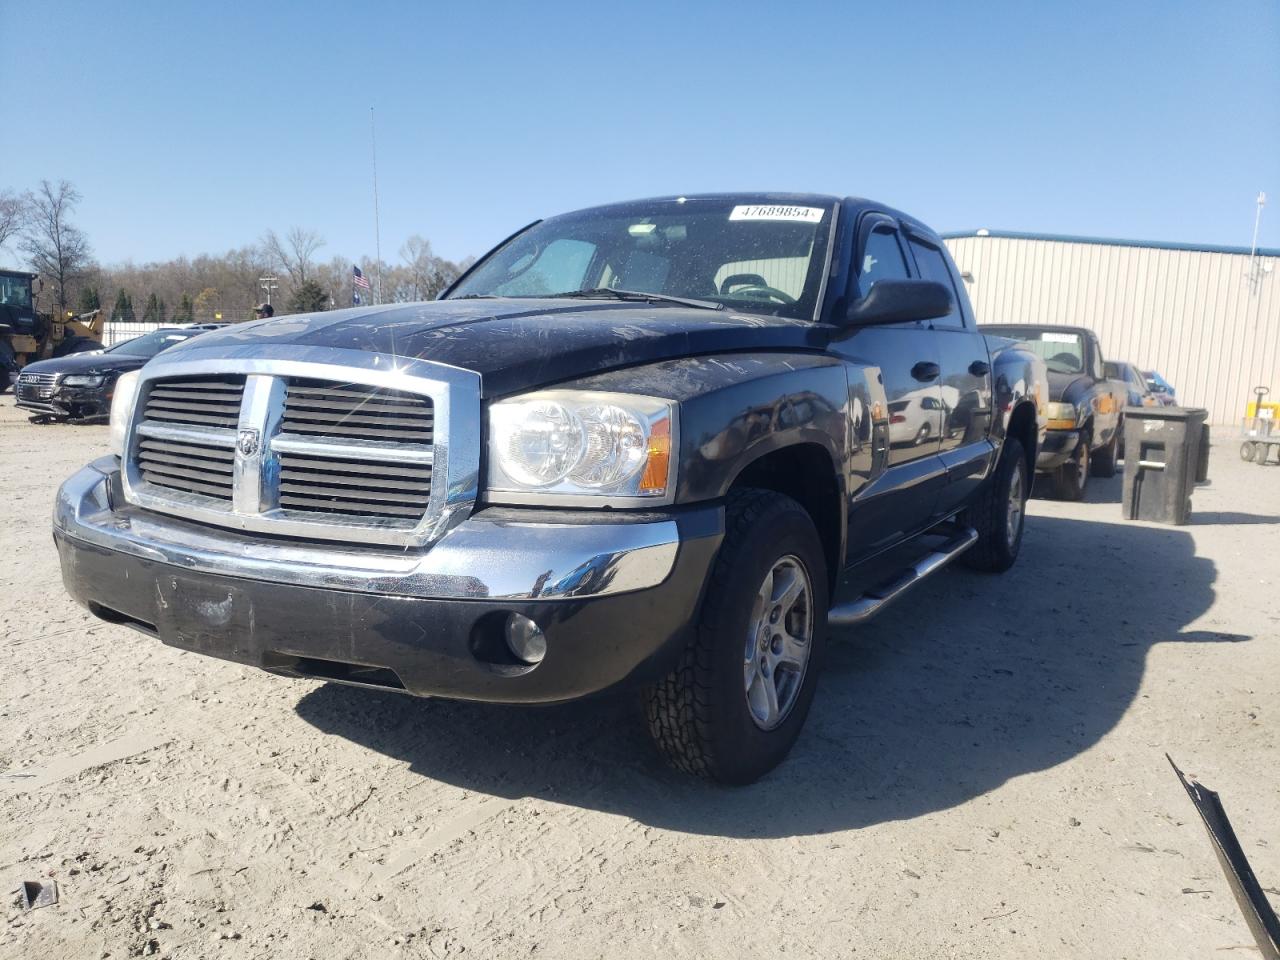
1255,266
377,229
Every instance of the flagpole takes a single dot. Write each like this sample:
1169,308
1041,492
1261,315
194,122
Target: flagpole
377,229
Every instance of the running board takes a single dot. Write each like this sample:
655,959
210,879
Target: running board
879,597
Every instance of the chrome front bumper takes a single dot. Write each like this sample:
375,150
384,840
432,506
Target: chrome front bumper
479,559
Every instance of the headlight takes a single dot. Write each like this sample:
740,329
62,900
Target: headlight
1062,416
122,409
558,446
82,380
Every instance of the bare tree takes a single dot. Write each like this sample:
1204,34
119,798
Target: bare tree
13,211
295,254
425,274
58,250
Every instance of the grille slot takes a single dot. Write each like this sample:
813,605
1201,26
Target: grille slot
185,466
204,402
344,411
399,493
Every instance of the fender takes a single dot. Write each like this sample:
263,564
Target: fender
737,408
1020,380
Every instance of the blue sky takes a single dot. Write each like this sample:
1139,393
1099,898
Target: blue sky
193,127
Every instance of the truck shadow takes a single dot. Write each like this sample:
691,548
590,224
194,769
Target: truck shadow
973,681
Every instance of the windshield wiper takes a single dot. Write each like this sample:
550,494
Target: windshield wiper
636,296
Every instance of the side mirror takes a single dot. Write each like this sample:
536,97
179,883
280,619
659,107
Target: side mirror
899,301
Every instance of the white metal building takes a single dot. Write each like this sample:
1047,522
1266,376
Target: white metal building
1207,318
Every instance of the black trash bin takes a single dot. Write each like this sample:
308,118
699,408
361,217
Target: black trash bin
1162,461
1202,462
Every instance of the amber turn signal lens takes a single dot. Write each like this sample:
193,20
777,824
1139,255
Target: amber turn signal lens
658,467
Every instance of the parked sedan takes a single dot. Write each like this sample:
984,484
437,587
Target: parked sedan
79,386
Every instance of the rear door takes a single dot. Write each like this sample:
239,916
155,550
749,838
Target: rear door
965,385
902,499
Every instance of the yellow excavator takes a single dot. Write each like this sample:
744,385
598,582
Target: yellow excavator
26,336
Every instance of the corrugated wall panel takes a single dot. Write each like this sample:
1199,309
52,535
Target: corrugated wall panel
1189,314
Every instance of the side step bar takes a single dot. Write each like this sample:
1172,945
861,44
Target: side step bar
879,597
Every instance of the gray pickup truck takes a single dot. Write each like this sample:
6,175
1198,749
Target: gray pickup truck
639,444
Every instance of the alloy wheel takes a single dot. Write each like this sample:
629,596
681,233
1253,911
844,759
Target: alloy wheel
778,643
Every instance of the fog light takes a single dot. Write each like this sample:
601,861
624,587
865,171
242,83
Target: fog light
525,639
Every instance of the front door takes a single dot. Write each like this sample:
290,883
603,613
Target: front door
901,500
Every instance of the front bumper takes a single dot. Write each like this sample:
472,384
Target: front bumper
614,595
80,402
1057,448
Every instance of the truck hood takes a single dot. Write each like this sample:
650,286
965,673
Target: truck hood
90,362
519,344
1062,384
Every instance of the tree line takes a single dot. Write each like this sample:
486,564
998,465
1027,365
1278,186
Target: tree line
40,225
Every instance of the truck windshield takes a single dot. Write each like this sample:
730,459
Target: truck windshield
1062,351
15,291
756,258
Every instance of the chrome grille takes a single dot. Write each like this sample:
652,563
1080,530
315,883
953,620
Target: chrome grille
36,386
345,410
203,402
358,487
191,467
333,444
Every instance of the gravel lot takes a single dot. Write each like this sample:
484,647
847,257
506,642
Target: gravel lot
983,774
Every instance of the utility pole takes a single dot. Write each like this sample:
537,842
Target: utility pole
1255,265
377,229
268,284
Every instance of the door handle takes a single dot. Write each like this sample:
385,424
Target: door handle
924,371
979,368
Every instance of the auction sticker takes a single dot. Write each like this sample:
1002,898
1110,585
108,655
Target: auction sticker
777,212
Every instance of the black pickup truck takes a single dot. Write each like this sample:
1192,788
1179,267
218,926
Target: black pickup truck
636,444
1085,409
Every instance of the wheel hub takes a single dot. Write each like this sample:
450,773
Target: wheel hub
780,637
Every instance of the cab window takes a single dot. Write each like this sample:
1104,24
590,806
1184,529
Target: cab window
932,265
882,259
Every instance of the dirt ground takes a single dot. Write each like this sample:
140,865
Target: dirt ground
982,775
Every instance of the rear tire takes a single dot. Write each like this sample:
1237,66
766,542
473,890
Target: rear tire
1247,453
8,365
709,716
1071,479
1104,460
999,514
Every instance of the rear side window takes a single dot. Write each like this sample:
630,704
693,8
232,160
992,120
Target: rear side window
933,266
882,259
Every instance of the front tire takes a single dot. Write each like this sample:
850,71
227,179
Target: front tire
1247,453
734,706
999,515
1104,460
1071,479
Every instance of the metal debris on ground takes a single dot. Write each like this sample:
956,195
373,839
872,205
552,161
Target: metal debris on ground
39,893
1253,903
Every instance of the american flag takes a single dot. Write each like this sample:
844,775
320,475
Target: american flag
359,279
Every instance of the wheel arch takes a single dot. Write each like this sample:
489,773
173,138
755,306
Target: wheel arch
805,472
1024,425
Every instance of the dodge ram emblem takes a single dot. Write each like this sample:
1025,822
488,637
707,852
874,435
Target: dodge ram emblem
247,443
